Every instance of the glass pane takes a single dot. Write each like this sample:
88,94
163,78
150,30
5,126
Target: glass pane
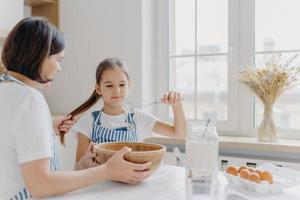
212,22
182,79
286,109
276,25
182,27
212,84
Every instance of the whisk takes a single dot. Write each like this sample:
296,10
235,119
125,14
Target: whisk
158,101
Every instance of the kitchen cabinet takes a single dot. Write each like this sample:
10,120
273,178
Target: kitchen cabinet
224,161
170,159
45,8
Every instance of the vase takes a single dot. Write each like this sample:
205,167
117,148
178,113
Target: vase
267,131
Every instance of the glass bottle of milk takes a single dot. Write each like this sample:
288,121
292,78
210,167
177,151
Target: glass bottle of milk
202,148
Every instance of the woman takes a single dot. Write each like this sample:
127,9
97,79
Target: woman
29,166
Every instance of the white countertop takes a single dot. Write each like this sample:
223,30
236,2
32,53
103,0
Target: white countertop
168,183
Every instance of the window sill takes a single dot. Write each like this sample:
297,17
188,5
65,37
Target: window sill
245,147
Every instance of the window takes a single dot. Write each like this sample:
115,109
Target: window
209,42
277,33
198,57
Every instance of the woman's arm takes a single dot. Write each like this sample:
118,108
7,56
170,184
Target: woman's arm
42,183
179,129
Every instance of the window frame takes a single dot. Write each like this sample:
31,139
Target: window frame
241,53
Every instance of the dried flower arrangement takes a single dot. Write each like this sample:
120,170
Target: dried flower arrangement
268,83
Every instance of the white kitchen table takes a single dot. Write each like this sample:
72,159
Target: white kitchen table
168,183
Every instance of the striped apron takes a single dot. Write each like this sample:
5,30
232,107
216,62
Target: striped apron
54,161
101,134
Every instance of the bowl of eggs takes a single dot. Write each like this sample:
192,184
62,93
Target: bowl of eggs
256,180
142,152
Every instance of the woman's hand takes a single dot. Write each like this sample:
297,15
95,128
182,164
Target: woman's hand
121,170
172,98
88,159
62,124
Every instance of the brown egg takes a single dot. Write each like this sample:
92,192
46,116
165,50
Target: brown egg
250,169
267,176
244,173
258,171
253,176
232,170
242,167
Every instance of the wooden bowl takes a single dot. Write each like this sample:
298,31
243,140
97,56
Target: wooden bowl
141,152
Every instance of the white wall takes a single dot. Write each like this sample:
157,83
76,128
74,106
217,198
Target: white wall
11,11
149,61
95,30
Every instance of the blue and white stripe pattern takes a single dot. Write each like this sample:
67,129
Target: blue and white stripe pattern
23,194
54,161
101,134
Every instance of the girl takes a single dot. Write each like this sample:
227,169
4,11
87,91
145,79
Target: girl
116,123
29,166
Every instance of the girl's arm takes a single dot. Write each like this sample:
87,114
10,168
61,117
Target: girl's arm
85,157
179,129
82,145
41,182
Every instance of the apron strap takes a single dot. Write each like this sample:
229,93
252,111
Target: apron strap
6,77
96,115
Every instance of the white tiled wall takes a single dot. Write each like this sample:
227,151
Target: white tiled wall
170,159
224,161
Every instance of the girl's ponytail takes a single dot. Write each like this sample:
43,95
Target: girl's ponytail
106,64
82,108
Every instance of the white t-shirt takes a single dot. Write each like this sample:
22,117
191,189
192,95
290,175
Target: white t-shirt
26,128
144,122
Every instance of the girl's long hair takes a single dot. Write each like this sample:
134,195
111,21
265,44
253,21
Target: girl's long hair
106,64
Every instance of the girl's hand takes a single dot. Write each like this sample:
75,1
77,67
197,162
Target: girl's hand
62,124
88,159
172,98
121,170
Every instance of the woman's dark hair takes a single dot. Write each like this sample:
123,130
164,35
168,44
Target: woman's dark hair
28,44
107,64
